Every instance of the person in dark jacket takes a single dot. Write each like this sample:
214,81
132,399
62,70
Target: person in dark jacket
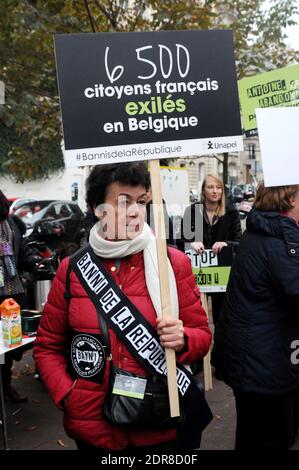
15,256
126,247
258,328
209,224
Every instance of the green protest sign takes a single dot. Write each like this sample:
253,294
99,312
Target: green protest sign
277,88
213,279
211,271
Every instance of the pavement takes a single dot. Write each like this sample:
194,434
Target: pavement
37,425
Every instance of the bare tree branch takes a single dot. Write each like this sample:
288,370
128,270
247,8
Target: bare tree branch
105,12
89,16
141,10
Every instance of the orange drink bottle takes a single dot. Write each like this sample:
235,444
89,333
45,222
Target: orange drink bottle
11,323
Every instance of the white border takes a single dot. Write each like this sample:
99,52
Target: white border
149,151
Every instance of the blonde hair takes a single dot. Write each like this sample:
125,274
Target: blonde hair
221,204
275,198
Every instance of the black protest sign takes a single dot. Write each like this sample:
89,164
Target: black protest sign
138,96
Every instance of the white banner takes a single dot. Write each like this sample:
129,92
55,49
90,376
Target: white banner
150,151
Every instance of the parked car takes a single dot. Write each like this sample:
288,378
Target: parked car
53,221
193,196
17,202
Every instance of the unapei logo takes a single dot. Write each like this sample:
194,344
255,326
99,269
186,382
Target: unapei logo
222,146
208,145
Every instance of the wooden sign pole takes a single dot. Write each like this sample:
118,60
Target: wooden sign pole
164,281
2,87
207,370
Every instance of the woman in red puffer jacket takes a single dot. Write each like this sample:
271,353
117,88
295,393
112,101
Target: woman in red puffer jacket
118,194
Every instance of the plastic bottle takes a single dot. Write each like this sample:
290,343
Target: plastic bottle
11,323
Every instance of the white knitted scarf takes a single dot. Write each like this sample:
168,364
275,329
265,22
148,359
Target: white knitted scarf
145,242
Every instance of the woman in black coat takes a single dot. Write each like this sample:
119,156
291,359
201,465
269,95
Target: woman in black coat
14,257
257,334
211,225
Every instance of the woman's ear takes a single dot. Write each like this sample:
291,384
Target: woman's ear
99,211
101,216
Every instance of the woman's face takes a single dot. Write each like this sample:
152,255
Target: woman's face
212,190
294,211
123,212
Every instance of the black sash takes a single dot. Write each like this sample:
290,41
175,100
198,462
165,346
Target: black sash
141,339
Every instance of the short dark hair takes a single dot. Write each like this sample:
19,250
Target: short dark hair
132,174
4,207
66,249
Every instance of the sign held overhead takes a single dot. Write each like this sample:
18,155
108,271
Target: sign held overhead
144,96
277,88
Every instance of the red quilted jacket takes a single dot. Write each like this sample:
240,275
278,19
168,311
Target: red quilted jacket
83,418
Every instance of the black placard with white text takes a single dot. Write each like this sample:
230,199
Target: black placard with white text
138,96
